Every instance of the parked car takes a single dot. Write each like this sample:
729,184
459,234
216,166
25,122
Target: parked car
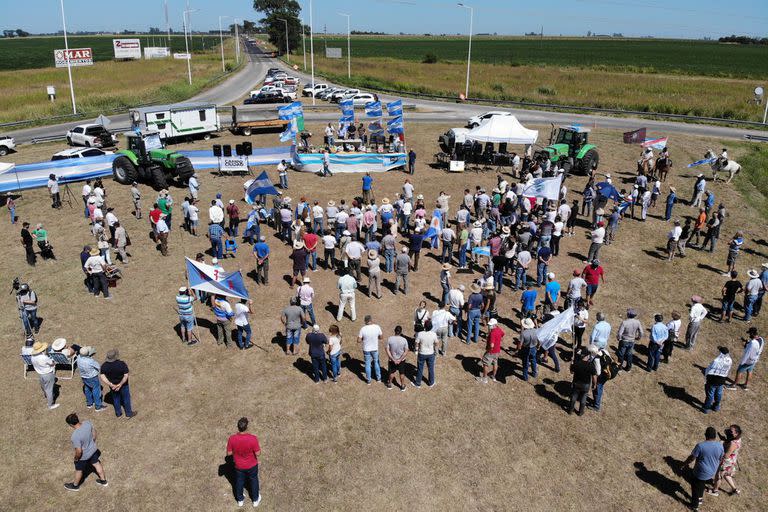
359,100
277,77
287,91
272,71
79,153
325,94
7,144
291,80
343,94
477,120
312,89
268,97
90,135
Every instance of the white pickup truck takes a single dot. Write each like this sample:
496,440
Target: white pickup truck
7,144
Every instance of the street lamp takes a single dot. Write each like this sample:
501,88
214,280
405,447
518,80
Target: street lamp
312,50
221,43
349,55
287,50
185,19
237,40
303,45
469,52
66,56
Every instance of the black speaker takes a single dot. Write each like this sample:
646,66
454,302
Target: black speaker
217,150
226,150
238,149
247,148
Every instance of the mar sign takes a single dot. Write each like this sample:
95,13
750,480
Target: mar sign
75,56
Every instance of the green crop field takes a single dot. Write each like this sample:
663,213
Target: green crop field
704,58
37,52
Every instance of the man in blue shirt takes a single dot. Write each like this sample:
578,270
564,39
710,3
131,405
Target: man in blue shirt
528,300
552,293
89,370
600,332
542,265
215,233
261,253
659,335
414,247
367,188
671,198
707,456
411,161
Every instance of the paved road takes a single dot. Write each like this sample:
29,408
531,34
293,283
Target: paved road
254,71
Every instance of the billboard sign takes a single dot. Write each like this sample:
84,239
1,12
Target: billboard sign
156,52
127,48
182,56
76,57
333,53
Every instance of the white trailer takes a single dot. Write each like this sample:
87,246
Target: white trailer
181,120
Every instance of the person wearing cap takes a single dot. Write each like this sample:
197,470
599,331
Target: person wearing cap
490,359
593,274
89,370
318,343
347,285
584,379
734,247
96,267
115,374
716,374
369,337
162,229
761,293
306,295
697,314
474,307
261,254
233,213
753,348
86,453
698,191
184,303
441,320
673,334
597,237
751,290
551,293
46,371
165,203
630,331
658,337
670,203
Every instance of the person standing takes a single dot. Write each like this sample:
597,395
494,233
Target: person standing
426,346
367,188
46,371
318,344
761,293
53,190
326,164
374,274
261,253
441,320
27,299
402,268
87,454
411,162
753,348
292,318
474,307
698,191
114,375
734,247
354,252
233,213
306,295
707,456
601,332
89,370
529,346
162,230
673,334
242,310
751,290
96,268
697,314
184,302
215,234
715,376
121,242
369,337
730,461
597,238
603,362
334,351
27,241
244,449
584,378
659,335
456,307
397,350
630,331
282,174
347,286
670,203
593,275
490,359
222,310
731,288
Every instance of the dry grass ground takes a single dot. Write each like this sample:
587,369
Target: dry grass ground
458,446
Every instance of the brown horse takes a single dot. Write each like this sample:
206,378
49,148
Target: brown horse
663,165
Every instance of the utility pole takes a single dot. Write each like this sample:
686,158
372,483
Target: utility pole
221,43
312,50
66,55
469,52
303,45
287,50
349,55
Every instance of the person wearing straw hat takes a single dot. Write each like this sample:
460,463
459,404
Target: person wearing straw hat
697,314
445,281
306,294
761,293
184,302
114,374
374,274
46,371
299,258
751,290
89,370
529,344
96,268
474,307
86,453
670,203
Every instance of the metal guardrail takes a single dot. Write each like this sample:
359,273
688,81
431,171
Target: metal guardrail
47,138
758,138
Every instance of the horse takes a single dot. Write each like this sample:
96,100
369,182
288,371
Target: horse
721,164
663,165
647,166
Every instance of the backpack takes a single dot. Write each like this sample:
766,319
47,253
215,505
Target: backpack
608,368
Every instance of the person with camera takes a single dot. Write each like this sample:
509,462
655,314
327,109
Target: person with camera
27,300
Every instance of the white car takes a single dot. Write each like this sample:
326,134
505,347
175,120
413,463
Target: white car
90,135
311,90
7,144
359,100
344,94
79,153
477,120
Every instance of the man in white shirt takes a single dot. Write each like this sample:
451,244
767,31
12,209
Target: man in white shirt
96,267
53,190
194,186
369,336
161,228
564,211
354,252
447,237
456,307
673,238
753,348
442,320
598,237
426,344
242,310
329,134
194,217
46,370
341,222
715,376
216,213
329,250
318,215
697,314
521,269
282,174
347,286
86,194
136,198
574,289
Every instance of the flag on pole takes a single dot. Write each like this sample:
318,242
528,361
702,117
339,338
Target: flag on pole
209,279
548,188
373,109
634,137
261,186
395,108
346,118
549,332
285,113
347,107
290,132
608,191
659,143
375,127
395,125
700,162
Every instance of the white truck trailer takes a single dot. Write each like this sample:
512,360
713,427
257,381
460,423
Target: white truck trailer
179,121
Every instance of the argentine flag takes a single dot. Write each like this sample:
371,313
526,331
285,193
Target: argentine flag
395,108
261,186
395,125
373,109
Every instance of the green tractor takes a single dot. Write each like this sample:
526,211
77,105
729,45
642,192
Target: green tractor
569,146
145,159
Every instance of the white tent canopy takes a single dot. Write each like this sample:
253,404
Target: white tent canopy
499,129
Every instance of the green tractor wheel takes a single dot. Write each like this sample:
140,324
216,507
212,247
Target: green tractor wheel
590,161
184,169
124,171
157,177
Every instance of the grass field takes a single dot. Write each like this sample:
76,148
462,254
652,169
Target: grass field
37,52
108,85
634,55
460,446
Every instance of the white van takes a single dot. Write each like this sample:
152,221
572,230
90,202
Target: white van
177,121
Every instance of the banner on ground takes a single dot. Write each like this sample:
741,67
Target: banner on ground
635,137
156,52
75,56
549,332
395,108
260,186
548,188
373,109
350,162
209,279
127,48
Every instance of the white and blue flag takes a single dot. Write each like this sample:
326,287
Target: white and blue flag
548,188
346,119
290,131
261,186
373,109
395,108
375,127
395,125
207,278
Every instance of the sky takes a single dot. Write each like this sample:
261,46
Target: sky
658,18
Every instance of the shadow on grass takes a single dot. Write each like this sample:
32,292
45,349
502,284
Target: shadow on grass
704,266
305,367
227,470
662,483
679,393
557,394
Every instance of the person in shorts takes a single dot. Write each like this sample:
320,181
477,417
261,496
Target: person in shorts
397,350
87,453
492,350
184,302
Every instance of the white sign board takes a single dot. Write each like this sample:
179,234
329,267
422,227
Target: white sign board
127,48
76,57
333,53
182,56
233,164
50,90
156,52
457,166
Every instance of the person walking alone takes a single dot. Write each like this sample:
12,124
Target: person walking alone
87,454
244,449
